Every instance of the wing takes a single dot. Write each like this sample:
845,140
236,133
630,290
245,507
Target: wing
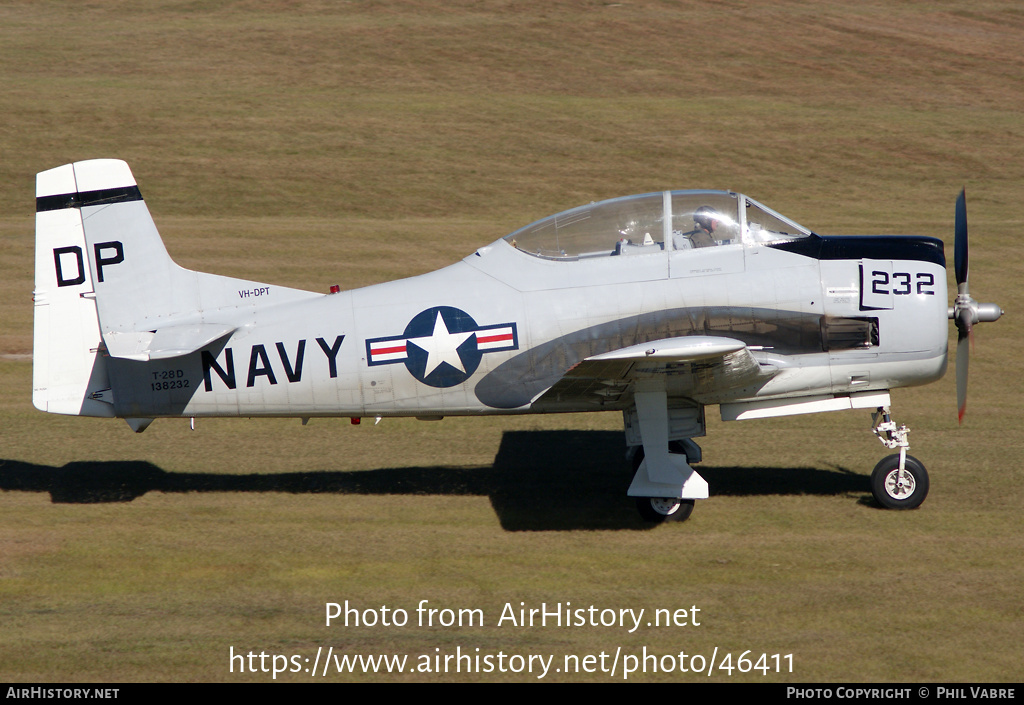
703,368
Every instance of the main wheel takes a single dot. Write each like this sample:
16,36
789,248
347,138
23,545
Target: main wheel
894,492
661,509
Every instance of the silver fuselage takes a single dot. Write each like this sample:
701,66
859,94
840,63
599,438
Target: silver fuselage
826,315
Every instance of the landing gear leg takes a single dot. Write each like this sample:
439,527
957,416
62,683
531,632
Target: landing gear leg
664,483
898,481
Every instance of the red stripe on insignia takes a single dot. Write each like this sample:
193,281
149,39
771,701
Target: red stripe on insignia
493,338
388,351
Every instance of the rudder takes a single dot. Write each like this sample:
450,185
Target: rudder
68,373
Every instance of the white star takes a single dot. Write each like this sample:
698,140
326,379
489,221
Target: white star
441,346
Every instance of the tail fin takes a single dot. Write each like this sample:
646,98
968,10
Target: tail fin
105,286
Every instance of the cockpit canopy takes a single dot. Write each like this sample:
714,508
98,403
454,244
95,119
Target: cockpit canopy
674,220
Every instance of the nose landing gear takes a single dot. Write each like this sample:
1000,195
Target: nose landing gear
899,481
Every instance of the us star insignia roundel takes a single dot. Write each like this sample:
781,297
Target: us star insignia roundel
442,346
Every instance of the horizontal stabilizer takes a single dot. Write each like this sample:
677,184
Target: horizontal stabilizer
166,342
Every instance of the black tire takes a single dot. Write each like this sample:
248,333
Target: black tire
658,510
885,484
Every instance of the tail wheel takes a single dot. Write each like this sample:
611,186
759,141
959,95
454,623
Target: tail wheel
894,490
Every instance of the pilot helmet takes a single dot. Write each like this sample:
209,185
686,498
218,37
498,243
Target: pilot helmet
704,216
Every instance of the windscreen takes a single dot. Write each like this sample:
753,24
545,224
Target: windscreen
765,225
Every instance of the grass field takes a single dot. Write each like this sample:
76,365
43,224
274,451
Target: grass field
312,143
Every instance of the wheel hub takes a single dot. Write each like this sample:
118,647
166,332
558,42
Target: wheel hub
899,485
665,505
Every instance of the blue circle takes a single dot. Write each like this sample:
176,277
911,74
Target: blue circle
422,326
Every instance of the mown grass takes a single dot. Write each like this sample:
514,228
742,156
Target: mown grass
307,144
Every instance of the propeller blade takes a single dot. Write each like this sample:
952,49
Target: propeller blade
960,257
963,351
963,315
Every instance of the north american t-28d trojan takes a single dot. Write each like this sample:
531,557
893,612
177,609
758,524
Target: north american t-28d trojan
654,305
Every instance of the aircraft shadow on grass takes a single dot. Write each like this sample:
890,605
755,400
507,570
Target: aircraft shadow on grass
540,481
